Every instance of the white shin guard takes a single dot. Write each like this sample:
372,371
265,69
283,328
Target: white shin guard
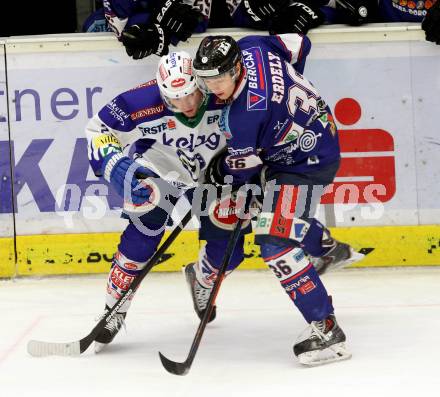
121,275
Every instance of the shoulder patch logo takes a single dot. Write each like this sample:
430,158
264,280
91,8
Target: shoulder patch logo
256,101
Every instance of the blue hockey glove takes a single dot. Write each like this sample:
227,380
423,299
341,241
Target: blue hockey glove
431,23
126,176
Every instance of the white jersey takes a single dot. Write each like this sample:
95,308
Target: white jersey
177,149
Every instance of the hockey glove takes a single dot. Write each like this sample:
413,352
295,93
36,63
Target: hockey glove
355,12
431,23
214,174
125,175
263,10
178,19
298,17
141,41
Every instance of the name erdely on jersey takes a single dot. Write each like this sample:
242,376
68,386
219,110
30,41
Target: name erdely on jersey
175,148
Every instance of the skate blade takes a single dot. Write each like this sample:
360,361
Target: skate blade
99,347
354,257
336,352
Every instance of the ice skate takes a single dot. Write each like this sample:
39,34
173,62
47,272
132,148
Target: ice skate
199,293
109,331
322,342
340,255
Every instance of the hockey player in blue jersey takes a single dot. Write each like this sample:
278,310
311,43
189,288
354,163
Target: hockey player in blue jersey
173,128
277,125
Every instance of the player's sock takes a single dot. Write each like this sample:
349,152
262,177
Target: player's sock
299,279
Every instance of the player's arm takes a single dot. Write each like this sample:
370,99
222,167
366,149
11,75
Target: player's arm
104,133
291,47
171,21
117,13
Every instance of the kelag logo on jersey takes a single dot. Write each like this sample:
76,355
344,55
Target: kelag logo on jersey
256,75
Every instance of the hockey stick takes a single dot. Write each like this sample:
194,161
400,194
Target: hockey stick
40,348
184,367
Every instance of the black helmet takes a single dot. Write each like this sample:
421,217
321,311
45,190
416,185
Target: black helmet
216,55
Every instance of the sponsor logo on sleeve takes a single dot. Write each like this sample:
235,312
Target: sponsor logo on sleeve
151,111
256,75
118,113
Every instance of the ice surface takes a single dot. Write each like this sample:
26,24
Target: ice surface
391,318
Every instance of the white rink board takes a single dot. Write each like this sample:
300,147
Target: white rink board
394,82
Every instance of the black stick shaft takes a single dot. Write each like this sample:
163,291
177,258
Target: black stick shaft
87,341
183,368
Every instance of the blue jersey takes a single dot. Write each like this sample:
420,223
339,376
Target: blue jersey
277,118
384,11
404,10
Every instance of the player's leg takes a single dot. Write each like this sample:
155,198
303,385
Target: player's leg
324,341
286,231
134,250
290,205
201,275
216,226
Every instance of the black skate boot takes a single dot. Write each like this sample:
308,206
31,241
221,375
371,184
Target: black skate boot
323,342
200,294
109,331
339,255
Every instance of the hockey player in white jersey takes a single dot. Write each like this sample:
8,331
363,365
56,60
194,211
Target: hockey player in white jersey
173,128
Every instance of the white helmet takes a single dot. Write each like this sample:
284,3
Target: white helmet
175,77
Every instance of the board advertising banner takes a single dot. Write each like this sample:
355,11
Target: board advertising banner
382,97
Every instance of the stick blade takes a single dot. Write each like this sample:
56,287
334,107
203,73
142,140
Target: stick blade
41,349
174,367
